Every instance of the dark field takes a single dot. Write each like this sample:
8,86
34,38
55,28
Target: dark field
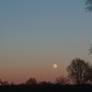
46,88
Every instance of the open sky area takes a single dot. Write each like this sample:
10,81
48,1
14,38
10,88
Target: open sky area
35,34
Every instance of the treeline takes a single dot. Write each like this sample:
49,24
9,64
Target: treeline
79,73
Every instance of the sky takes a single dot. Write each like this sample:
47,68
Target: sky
35,34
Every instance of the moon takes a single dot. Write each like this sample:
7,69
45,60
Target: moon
55,66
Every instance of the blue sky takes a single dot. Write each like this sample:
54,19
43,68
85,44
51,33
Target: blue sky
37,33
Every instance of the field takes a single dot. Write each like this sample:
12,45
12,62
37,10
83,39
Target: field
46,88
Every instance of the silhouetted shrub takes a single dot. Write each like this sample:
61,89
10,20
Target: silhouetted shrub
45,83
31,81
62,80
3,83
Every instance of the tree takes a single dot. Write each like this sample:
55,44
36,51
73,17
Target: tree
89,5
3,83
90,49
31,81
77,70
62,80
88,74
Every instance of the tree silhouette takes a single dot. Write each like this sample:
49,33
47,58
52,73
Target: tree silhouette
3,83
90,49
89,5
62,80
77,70
88,74
31,81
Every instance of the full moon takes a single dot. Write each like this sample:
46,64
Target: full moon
55,66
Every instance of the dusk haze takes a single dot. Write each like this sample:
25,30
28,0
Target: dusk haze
40,38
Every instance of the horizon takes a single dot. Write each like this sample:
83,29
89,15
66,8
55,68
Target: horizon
35,34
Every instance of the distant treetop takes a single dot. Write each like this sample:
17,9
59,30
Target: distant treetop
89,5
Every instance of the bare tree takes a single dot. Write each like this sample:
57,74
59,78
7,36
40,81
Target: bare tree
31,81
3,83
89,5
90,49
62,80
77,70
88,74
89,8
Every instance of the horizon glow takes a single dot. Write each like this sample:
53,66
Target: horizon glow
35,34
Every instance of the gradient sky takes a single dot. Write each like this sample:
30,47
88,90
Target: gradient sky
35,34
